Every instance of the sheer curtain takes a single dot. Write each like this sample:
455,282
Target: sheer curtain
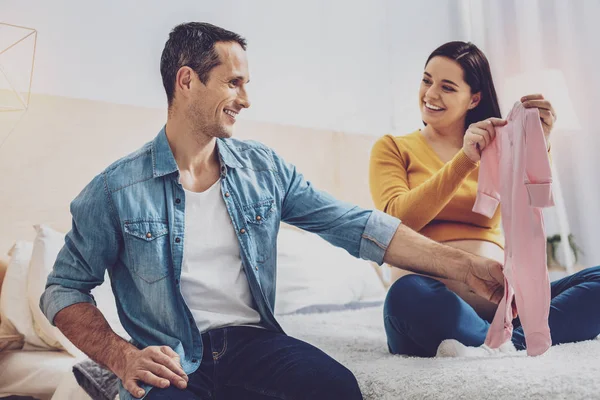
538,45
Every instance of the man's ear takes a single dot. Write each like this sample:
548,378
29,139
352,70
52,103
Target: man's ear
183,80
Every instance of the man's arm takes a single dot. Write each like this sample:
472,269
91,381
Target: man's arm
85,326
414,252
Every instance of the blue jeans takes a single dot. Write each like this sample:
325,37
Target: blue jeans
256,364
420,312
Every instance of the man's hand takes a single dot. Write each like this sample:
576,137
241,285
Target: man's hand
486,279
158,366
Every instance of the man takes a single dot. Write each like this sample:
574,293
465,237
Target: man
187,228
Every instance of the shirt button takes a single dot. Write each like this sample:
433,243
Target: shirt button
242,231
256,268
258,218
194,360
148,235
177,240
177,201
227,194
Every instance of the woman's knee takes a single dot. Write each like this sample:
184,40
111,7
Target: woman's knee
408,292
592,273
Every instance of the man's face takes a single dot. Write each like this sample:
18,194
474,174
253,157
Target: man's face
212,107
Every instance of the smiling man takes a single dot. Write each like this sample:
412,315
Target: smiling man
187,228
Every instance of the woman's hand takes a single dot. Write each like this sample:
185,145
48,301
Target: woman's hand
479,135
547,113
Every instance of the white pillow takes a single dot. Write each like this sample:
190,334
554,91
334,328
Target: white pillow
46,247
14,307
310,271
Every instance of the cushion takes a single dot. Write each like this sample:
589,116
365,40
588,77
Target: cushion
10,338
16,318
310,271
46,246
34,373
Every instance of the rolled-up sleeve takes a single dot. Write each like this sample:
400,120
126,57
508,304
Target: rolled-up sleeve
91,246
377,236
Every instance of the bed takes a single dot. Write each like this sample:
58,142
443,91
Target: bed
61,143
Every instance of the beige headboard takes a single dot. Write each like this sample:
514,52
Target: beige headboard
61,143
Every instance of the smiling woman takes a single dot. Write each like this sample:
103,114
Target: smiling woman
429,180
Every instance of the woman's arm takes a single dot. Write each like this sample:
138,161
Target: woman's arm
418,206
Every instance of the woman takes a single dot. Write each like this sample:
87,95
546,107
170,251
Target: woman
428,179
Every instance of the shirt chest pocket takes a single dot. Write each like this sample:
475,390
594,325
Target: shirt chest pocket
261,219
147,244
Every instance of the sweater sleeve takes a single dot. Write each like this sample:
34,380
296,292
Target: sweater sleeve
416,207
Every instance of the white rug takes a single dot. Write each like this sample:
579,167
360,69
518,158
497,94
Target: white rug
357,340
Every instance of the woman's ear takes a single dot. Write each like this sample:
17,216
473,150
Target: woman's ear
475,99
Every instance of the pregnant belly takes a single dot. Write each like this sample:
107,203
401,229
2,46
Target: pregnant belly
479,247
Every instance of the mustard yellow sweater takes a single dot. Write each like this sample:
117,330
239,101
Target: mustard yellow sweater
409,181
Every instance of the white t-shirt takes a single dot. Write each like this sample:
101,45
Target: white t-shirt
213,281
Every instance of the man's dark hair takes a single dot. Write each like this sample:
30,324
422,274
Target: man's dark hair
193,44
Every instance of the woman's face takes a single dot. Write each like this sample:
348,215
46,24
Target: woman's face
444,96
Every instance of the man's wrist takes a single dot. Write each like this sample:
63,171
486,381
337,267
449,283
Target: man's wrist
462,269
117,362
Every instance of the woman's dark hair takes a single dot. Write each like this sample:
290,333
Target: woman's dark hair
477,74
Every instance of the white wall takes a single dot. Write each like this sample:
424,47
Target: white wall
311,62
315,63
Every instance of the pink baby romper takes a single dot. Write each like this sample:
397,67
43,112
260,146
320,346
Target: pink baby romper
515,171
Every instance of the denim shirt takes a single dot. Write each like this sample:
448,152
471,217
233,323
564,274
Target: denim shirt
130,221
